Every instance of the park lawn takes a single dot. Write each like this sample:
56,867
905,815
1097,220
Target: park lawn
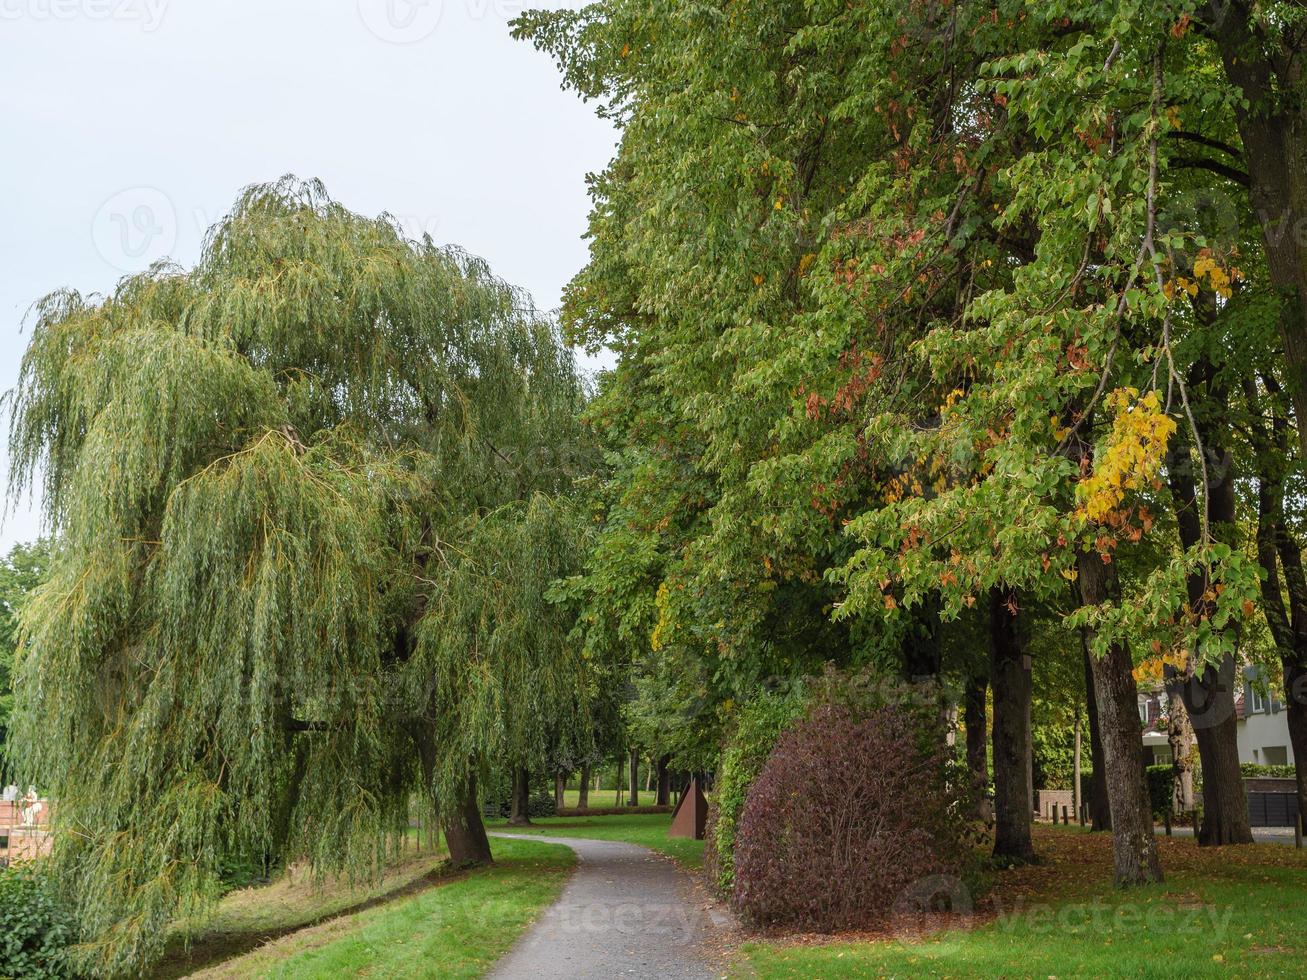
604,798
1221,912
456,927
646,829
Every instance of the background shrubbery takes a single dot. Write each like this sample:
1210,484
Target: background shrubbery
34,930
498,799
851,808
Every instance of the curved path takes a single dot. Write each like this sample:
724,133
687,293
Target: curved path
626,911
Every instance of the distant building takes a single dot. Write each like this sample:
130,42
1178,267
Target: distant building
1262,726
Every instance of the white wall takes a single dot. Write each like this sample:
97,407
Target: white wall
1261,731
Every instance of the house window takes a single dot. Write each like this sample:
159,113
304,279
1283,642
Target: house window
1257,703
1275,755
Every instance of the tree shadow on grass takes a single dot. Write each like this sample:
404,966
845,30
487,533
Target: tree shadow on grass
218,946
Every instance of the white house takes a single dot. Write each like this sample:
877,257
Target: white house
1262,726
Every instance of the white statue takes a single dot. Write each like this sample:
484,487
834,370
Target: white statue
32,807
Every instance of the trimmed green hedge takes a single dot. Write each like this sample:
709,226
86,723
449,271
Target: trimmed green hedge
1252,769
759,725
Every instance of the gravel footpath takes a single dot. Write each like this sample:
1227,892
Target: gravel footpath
626,911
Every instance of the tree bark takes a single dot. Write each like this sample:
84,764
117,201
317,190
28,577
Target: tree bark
973,717
560,787
1010,674
1284,586
583,795
1134,845
1075,766
519,813
1180,736
465,833
635,779
1207,690
1225,804
1100,809
1273,131
664,780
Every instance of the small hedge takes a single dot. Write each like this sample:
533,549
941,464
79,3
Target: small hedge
610,811
1252,770
34,931
850,810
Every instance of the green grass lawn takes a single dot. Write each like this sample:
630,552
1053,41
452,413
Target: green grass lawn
605,798
647,829
451,929
1221,912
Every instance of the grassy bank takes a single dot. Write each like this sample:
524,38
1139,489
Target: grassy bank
426,924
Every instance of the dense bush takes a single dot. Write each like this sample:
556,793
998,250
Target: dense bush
34,929
1161,784
758,725
850,809
611,811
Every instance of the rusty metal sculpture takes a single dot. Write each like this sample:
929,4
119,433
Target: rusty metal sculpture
691,813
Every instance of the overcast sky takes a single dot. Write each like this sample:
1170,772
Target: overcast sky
129,126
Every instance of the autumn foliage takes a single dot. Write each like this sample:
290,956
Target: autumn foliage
849,811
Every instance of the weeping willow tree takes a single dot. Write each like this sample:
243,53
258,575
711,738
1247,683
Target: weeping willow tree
310,497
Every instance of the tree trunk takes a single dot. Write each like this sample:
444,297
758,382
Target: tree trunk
560,787
465,834
1274,138
1010,675
620,777
519,814
1180,736
1280,554
635,779
583,794
1208,689
1100,810
973,717
1295,687
1075,767
1209,699
664,780
1134,844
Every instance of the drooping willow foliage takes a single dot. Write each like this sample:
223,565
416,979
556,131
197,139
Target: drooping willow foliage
309,496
